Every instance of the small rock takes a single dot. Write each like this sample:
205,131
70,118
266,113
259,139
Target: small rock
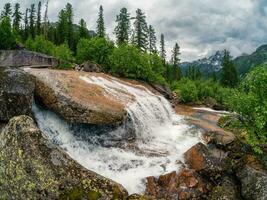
89,66
219,138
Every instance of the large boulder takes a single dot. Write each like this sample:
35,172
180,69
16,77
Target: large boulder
31,167
253,183
16,93
18,58
67,93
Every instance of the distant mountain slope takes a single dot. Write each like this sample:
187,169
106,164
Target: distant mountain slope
206,65
243,63
246,62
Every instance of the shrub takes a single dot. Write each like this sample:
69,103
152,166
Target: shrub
95,49
129,61
186,89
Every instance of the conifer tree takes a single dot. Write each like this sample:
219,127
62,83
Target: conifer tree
229,73
140,31
62,27
152,39
100,23
162,48
38,23
7,12
7,39
175,60
122,30
70,32
26,24
46,23
32,21
17,16
83,33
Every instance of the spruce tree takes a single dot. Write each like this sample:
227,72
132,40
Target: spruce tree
83,33
162,48
100,23
7,12
46,23
17,16
122,30
152,40
32,21
140,31
38,23
229,74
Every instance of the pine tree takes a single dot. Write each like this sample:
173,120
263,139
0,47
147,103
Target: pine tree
38,23
83,33
162,48
32,21
7,39
122,30
100,23
229,73
17,16
7,11
152,39
140,31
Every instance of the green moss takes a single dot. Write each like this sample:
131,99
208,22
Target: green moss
80,194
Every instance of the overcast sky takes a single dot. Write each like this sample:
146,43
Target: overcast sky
199,26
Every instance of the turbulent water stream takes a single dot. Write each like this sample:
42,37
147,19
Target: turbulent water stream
149,143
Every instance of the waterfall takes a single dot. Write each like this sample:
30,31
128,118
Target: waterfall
160,136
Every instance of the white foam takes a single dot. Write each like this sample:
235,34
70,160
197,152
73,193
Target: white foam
162,137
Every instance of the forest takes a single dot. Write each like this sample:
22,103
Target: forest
134,54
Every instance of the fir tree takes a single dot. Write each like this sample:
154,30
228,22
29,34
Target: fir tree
162,48
83,33
140,31
100,23
152,39
122,30
38,23
32,21
46,23
7,11
229,73
17,16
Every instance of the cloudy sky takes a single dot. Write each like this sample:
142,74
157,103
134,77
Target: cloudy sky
199,26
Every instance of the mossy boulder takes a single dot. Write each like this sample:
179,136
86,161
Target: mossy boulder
31,167
16,93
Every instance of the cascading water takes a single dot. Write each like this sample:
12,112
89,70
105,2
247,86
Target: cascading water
160,137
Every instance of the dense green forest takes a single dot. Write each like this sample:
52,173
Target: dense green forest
135,55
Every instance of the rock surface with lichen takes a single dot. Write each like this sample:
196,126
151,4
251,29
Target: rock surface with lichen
31,167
